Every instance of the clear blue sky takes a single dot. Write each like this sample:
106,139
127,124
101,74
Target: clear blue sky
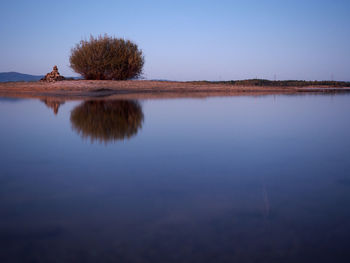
186,40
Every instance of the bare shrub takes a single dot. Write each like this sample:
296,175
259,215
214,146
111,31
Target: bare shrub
107,58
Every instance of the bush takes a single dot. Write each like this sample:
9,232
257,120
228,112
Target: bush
105,57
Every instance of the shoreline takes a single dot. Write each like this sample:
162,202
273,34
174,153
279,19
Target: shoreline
147,89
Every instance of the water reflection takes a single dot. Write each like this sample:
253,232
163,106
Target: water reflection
241,179
107,120
53,103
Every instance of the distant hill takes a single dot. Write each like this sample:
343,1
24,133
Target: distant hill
15,76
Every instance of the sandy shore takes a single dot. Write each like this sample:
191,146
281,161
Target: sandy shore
143,89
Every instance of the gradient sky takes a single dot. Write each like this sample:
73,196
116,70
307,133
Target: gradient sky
186,40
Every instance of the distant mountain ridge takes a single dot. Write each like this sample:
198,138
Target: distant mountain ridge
16,76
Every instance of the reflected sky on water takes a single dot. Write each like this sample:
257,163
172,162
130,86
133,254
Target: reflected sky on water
244,179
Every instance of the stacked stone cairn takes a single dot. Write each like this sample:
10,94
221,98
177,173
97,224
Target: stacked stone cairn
53,76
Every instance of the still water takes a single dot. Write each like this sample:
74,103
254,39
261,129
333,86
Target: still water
234,179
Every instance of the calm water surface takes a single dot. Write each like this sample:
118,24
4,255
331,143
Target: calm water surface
240,179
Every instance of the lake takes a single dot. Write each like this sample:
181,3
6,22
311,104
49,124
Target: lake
229,179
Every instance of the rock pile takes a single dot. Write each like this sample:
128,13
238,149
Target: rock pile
53,76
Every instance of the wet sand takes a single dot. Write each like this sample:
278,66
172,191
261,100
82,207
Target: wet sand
144,89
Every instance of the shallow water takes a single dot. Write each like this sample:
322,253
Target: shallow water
235,179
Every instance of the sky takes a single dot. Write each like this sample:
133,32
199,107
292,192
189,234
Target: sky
186,40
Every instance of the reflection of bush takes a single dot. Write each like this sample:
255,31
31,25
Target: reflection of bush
107,120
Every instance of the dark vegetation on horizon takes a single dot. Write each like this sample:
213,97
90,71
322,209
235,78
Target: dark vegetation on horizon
19,77
107,58
279,83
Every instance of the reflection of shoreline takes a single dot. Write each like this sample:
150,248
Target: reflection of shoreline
53,103
107,120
